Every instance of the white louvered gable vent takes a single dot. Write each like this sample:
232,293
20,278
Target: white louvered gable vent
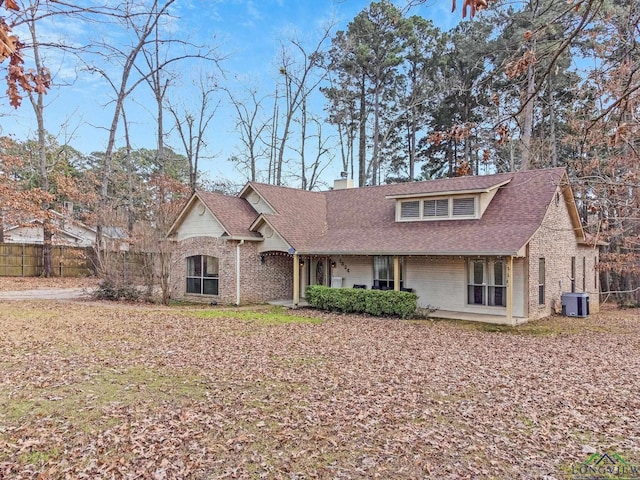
436,208
410,209
464,207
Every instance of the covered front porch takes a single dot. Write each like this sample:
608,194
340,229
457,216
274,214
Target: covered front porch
488,289
478,317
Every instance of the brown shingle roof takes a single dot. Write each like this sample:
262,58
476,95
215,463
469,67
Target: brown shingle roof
234,213
362,220
300,216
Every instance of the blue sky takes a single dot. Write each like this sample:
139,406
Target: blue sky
247,32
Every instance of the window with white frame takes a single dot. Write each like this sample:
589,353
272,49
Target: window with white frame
486,282
438,208
383,272
202,275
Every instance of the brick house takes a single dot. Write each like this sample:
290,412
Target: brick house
499,248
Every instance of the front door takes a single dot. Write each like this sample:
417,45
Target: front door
313,271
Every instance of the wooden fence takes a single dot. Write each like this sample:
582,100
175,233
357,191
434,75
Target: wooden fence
25,260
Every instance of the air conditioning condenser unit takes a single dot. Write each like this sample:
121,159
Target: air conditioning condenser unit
575,304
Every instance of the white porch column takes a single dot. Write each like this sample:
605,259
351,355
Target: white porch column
296,280
396,273
510,318
327,271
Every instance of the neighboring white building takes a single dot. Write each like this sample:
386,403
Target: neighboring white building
68,231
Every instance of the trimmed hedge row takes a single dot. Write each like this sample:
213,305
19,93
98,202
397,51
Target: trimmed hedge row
358,300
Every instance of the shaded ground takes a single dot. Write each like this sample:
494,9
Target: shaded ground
90,390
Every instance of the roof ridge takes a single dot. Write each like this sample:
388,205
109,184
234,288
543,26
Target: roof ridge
270,185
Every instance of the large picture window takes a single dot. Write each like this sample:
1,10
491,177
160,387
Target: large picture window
202,275
383,273
487,283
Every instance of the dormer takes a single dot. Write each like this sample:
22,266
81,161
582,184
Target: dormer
257,201
468,204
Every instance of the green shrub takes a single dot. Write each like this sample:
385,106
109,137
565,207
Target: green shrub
381,303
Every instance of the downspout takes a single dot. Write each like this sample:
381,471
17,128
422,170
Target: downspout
510,318
241,242
296,280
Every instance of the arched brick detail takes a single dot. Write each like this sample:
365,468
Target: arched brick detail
260,281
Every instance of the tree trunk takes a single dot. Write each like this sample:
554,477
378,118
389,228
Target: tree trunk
47,250
122,91
303,135
450,159
285,131
376,134
552,124
362,145
412,145
130,176
467,137
274,138
352,147
37,102
527,128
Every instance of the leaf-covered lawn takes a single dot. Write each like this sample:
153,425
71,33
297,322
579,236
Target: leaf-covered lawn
93,390
38,283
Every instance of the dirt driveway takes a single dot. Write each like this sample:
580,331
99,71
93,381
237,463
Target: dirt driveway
37,288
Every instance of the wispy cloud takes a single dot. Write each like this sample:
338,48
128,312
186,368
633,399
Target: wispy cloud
254,15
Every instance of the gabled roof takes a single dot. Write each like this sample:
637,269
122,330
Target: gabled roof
362,220
451,186
62,222
300,216
33,223
234,214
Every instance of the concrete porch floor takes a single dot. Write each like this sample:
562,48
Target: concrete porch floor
477,317
288,303
469,317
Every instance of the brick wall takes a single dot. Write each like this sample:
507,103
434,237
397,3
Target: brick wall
259,281
555,241
271,280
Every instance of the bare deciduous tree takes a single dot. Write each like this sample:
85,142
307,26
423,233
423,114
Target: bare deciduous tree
147,42
301,75
252,127
192,127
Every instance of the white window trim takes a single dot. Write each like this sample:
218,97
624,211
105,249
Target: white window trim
391,273
421,217
488,282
